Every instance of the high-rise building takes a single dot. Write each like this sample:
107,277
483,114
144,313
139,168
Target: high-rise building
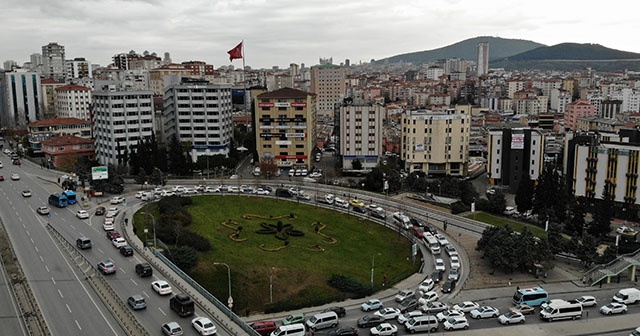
361,135
483,58
436,142
49,96
78,68
199,113
21,100
576,110
9,65
514,153
328,83
53,61
73,101
285,122
122,120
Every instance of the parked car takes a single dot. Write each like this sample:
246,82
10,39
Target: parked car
456,323
455,262
428,297
388,313
373,304
343,331
625,230
403,294
523,308
408,304
454,274
466,306
614,308
293,318
484,312
409,315
426,285
434,307
368,321
100,211
340,311
511,318
587,301
384,329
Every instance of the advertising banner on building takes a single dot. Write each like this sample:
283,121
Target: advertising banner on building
517,141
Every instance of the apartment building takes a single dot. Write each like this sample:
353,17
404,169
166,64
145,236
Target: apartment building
575,110
73,101
483,59
53,62
436,142
122,119
54,127
157,76
78,68
329,85
199,114
512,153
285,123
21,99
361,135
49,96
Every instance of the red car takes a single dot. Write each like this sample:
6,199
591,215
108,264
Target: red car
1,177
113,234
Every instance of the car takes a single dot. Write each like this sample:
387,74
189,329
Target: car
293,318
523,308
545,304
484,312
388,313
426,285
454,274
451,250
343,331
1,177
108,225
204,326
455,262
587,301
118,242
137,302
113,210
373,304
384,329
356,203
359,209
403,294
161,287
82,214
441,239
264,328
144,270
408,304
43,210
111,235
303,196
448,286
511,318
126,250
436,275
177,189
440,265
409,315
613,308
172,329
368,321
340,202
625,230
15,177
100,211
107,267
428,297
434,307
139,194
26,193
455,323
466,306
340,311
261,191
418,231
447,314
315,174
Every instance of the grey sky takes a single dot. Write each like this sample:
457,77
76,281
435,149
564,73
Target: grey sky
280,32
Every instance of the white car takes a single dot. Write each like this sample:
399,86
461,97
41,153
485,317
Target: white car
82,214
428,297
26,193
372,304
117,199
451,251
388,313
113,210
384,329
447,314
456,323
466,306
587,301
315,175
209,189
614,308
511,318
190,191
204,326
440,265
455,262
340,202
484,312
403,294
119,242
409,315
139,194
167,193
177,189
434,307
426,285
15,177
261,191
108,226
161,287
625,230
441,239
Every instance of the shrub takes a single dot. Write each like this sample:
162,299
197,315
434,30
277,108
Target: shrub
309,296
198,242
349,285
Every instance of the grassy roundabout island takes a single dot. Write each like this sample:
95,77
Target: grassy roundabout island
295,247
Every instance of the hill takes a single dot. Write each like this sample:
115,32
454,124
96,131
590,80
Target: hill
499,48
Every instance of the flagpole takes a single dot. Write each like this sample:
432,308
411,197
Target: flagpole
244,84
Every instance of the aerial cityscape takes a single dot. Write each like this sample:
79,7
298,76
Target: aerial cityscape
487,182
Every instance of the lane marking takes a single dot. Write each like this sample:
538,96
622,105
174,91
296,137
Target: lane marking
60,293
68,308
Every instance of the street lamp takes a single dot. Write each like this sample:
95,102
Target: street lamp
271,285
230,300
154,228
373,265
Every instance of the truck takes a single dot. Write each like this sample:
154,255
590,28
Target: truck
182,304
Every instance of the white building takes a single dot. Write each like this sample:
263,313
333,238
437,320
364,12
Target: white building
200,113
122,120
630,100
21,99
361,135
78,68
483,58
53,61
73,101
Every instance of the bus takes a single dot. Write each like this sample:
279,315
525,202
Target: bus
533,297
59,200
71,197
432,243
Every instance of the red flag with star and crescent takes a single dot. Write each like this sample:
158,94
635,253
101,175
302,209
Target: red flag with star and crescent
236,52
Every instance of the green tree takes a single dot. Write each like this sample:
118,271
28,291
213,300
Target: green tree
497,203
526,242
554,236
142,177
524,194
575,224
185,257
586,250
179,163
356,164
601,224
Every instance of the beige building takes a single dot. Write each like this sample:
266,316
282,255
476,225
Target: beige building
361,135
49,97
73,101
285,121
157,76
328,82
436,142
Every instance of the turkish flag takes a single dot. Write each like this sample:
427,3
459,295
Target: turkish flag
236,52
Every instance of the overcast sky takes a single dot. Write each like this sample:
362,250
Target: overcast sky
280,32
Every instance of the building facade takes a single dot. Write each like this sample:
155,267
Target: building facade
328,83
514,153
78,68
285,122
483,59
436,142
73,101
53,62
122,119
576,110
64,152
200,115
361,135
49,128
21,99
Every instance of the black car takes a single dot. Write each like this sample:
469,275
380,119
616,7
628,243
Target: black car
359,209
369,321
408,304
436,276
126,250
100,211
340,311
343,331
431,229
417,222
144,269
448,286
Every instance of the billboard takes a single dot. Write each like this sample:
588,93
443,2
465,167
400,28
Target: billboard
99,173
517,141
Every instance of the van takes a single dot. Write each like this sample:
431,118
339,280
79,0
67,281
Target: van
144,269
402,220
182,304
627,296
421,324
322,321
559,310
296,329
83,243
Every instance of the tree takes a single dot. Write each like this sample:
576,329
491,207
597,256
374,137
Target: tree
586,250
524,194
356,164
185,257
550,183
497,203
601,224
575,224
179,164
141,178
